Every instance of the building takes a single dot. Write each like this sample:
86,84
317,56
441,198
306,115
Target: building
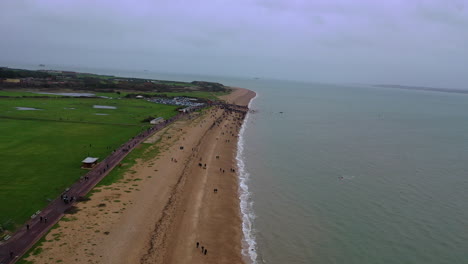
157,121
27,80
12,80
186,109
89,163
69,74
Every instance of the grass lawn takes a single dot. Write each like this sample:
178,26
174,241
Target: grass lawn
129,111
206,95
42,158
24,93
197,94
144,151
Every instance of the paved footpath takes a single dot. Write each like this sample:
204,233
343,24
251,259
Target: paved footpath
23,239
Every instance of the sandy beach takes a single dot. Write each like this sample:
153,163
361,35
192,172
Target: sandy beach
165,204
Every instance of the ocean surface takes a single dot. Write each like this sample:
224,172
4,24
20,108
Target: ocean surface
350,173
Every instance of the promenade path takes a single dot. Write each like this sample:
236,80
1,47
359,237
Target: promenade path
22,240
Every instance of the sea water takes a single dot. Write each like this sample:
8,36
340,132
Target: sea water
355,174
349,173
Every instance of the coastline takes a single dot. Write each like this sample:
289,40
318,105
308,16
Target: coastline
161,208
249,244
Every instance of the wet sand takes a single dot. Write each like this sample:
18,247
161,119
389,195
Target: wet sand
161,207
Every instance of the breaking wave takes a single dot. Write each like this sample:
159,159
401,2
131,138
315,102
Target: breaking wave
249,244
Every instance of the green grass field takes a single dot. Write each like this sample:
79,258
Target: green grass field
129,111
42,158
24,93
197,94
206,95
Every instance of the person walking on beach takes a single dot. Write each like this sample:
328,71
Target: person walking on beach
206,251
202,249
198,244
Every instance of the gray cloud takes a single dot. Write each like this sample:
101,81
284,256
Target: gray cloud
398,41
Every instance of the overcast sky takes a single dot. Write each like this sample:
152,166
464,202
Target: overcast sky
415,42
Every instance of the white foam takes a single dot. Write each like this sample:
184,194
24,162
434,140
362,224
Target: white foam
249,245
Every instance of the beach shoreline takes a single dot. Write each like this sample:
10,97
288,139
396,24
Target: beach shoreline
249,243
166,204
